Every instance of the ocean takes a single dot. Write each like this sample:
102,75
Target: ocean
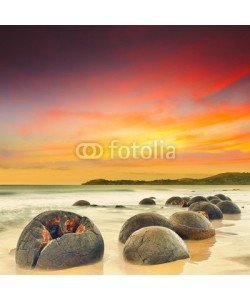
226,253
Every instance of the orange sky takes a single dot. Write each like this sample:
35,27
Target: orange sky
188,86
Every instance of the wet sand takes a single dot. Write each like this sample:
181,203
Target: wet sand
226,253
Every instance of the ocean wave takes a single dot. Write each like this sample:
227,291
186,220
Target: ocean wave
7,193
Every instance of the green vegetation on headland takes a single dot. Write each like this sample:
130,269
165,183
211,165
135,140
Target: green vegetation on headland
221,179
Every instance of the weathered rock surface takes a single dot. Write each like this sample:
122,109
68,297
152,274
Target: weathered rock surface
59,239
154,245
142,220
211,209
192,225
229,207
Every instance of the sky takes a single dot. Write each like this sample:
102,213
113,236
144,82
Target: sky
186,87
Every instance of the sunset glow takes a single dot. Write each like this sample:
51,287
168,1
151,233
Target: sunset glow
63,85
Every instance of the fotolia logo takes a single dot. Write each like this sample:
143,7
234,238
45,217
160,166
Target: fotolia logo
157,150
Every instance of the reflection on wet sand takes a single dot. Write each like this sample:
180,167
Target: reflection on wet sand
217,223
93,269
220,223
200,249
232,216
171,268
225,233
245,260
224,223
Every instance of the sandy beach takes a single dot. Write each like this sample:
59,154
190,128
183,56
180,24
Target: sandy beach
226,253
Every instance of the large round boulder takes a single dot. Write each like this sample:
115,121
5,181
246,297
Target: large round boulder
59,239
222,197
192,225
212,198
197,199
185,201
215,201
211,209
175,200
81,203
147,201
154,245
229,207
142,220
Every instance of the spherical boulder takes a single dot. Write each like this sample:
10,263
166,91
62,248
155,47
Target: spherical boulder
192,225
57,240
212,198
211,209
147,201
215,201
229,207
142,220
120,206
197,199
222,197
154,245
175,200
185,201
81,203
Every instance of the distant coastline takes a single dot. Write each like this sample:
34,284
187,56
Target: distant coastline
234,178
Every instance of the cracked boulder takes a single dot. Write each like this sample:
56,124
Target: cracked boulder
192,225
154,245
229,207
175,200
211,209
57,240
142,220
185,201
